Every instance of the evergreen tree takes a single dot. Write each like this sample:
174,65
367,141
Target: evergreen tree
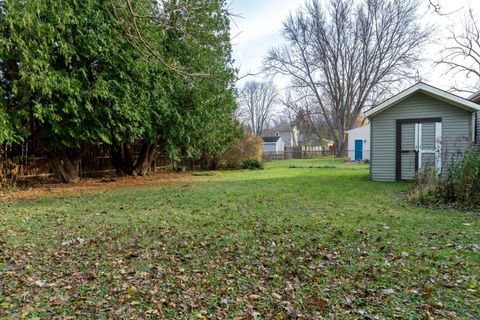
77,73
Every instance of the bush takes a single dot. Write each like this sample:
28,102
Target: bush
249,147
9,172
423,190
458,186
252,164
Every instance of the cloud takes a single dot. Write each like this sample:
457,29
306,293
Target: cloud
260,19
257,30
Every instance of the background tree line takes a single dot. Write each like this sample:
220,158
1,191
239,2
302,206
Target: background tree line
77,73
343,57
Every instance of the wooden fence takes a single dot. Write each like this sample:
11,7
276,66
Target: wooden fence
26,162
296,154
98,161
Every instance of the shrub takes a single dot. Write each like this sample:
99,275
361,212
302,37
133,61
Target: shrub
252,164
9,171
424,188
249,147
458,186
466,186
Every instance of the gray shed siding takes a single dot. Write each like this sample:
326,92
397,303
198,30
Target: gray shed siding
456,123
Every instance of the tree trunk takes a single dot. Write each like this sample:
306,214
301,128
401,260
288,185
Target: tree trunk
117,159
122,159
148,154
340,144
213,163
65,163
66,167
340,147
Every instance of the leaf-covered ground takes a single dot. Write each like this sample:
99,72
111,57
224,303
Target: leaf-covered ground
295,240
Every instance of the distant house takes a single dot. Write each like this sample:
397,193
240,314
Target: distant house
273,145
288,134
295,140
358,143
420,127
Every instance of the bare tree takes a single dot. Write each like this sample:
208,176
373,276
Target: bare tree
438,9
256,102
311,127
289,116
347,55
463,55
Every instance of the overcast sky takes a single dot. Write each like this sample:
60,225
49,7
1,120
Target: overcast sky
260,26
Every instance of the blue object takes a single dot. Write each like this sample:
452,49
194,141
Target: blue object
358,150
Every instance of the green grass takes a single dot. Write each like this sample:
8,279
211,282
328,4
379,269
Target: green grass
295,239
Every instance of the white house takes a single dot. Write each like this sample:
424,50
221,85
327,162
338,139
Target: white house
273,145
358,143
288,134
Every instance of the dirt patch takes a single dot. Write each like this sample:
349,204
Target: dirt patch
34,190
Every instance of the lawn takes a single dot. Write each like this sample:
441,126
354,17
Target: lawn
296,240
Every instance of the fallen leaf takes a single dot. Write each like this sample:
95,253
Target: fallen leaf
41,283
254,297
388,292
276,296
322,303
73,241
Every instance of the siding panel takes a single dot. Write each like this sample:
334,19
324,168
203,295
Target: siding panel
428,136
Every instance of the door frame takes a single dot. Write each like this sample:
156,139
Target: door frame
398,147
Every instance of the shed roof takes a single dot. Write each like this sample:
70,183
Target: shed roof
270,139
475,97
428,90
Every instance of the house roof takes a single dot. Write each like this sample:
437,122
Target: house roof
280,128
428,90
358,128
270,139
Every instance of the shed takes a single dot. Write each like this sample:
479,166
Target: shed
420,127
273,145
358,143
